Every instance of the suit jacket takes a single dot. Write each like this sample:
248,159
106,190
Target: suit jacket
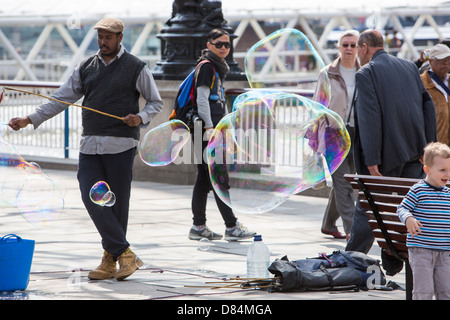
395,116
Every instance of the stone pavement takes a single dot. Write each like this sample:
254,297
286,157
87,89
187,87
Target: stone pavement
174,267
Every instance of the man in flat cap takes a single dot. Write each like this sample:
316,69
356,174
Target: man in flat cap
436,81
111,81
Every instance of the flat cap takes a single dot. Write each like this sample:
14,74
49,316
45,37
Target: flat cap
439,51
110,24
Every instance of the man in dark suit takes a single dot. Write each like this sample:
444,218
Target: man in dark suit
394,120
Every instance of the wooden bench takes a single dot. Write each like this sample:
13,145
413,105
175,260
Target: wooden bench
380,196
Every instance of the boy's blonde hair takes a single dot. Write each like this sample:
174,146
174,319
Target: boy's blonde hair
433,150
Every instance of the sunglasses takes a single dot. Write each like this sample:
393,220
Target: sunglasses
219,44
346,45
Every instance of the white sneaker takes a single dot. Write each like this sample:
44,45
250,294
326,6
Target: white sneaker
239,232
195,234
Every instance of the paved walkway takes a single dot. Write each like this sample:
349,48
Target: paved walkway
174,266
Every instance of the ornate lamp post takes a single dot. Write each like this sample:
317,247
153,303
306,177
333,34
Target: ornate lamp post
186,36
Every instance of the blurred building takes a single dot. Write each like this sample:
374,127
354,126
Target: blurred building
45,40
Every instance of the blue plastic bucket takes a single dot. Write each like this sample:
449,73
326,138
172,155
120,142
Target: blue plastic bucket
16,255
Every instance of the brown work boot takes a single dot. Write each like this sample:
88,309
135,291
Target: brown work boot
106,270
129,262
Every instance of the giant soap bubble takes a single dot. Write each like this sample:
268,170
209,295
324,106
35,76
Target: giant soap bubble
23,185
274,145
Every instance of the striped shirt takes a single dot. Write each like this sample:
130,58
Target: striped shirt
431,207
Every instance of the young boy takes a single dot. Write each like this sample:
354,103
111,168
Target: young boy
425,210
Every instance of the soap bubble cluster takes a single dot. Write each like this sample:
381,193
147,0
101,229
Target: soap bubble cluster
274,145
102,195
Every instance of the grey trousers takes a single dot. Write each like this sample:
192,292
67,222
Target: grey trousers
431,270
341,202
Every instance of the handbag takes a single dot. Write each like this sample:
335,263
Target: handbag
335,144
347,123
351,129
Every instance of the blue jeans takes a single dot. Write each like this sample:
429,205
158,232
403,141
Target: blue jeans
116,170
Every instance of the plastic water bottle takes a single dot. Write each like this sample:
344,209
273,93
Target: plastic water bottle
258,259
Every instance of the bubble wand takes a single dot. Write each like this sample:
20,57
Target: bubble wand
68,103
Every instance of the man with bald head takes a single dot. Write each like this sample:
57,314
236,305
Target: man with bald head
394,120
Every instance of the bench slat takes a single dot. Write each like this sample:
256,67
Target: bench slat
400,189
381,206
389,226
403,254
399,237
401,247
385,216
381,180
382,197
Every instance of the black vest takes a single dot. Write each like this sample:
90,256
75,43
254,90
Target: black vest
111,89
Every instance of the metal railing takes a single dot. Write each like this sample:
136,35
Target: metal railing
58,137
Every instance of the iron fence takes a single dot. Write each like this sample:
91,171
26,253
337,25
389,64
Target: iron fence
58,137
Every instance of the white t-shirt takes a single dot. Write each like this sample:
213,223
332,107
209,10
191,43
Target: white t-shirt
348,74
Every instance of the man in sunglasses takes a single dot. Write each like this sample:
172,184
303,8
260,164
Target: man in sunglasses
436,81
211,107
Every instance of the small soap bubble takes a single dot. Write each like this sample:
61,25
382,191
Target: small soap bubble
162,144
102,195
204,244
110,199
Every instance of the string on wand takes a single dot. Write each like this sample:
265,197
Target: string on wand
68,103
